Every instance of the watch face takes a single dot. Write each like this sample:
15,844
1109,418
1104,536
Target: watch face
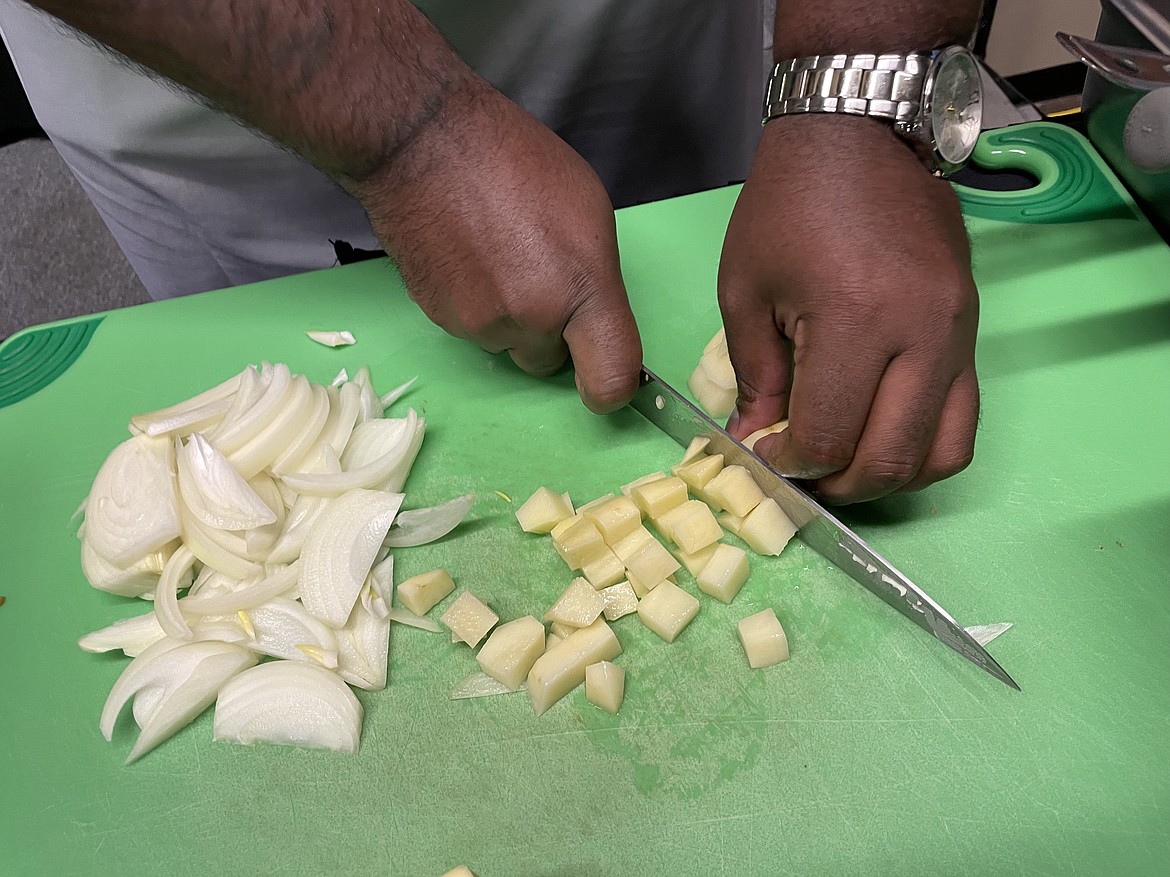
956,107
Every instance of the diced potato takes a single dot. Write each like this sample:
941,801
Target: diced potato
699,471
461,871
552,640
559,670
767,529
511,650
595,503
716,364
724,573
729,522
542,511
735,490
750,441
562,630
579,605
656,497
628,546
620,601
615,519
695,562
468,619
420,593
717,401
690,526
605,685
641,588
605,571
763,639
569,502
667,610
577,541
651,564
645,479
718,341
697,446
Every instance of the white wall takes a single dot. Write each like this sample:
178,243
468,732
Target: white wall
1022,31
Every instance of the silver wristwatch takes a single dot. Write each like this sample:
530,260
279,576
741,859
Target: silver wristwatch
935,100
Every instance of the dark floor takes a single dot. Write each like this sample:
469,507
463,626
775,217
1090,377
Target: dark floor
57,259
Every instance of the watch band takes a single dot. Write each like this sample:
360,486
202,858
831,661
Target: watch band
884,86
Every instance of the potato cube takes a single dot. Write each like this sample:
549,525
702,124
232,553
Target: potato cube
605,571
767,529
718,341
735,490
420,593
716,364
667,610
595,503
641,588
461,871
638,482
559,670
552,640
511,650
620,601
577,541
699,471
569,502
651,564
750,441
691,526
628,546
559,628
605,685
729,522
717,401
542,511
579,605
617,518
695,562
658,496
468,619
697,446
763,639
724,573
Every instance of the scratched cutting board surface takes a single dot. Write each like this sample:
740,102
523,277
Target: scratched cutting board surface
875,750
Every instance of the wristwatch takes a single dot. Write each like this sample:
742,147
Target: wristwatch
935,100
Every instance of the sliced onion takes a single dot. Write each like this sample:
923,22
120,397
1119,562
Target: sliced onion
420,526
985,633
190,674
341,378
345,406
397,479
297,524
365,476
278,432
252,386
252,593
191,414
132,508
207,545
340,551
343,338
314,423
281,627
133,581
166,595
482,685
215,493
132,635
291,703
388,399
236,433
259,541
363,647
405,616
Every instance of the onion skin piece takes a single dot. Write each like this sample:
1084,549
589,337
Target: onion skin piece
340,551
289,703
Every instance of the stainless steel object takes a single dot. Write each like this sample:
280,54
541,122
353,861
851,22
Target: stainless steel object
1139,69
667,409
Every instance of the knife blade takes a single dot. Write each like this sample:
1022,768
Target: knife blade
674,414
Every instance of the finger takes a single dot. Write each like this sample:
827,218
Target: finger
833,385
540,355
760,355
954,442
606,349
902,423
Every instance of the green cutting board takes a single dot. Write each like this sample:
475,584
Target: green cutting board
874,750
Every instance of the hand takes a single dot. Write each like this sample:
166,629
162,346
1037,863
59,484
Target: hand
846,291
505,236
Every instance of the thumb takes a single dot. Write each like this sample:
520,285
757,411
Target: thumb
760,355
606,349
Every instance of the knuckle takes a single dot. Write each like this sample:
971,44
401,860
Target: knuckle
888,474
825,453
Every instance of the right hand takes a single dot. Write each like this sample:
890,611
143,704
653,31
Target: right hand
505,236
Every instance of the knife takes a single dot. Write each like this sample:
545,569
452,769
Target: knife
671,412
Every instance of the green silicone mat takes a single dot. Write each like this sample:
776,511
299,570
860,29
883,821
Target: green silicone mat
874,751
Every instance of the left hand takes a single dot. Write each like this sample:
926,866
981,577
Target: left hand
846,292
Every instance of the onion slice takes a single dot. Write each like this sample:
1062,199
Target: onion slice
281,627
291,703
344,338
482,685
405,616
363,647
257,592
214,491
186,414
340,551
166,596
388,399
420,526
132,635
372,474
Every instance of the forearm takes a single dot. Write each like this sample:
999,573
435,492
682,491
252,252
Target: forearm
348,84
859,26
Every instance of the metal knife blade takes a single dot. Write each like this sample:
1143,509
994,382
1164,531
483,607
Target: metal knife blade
671,412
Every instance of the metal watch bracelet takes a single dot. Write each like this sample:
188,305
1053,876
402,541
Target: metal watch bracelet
883,86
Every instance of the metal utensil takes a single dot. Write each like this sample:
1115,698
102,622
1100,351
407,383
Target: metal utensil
671,412
1139,69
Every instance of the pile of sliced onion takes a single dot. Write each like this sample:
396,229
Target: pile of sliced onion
258,516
